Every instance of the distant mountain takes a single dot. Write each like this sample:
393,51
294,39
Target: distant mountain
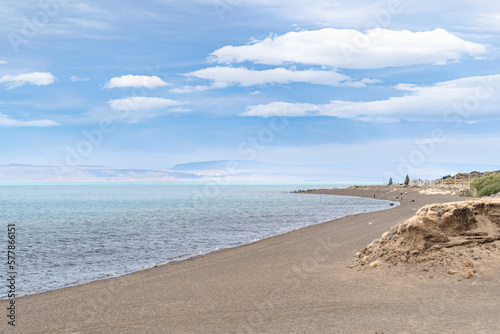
20,172
28,165
20,165
242,170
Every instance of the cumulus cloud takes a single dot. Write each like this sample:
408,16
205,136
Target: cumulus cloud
351,49
7,121
225,76
125,81
463,100
141,103
34,78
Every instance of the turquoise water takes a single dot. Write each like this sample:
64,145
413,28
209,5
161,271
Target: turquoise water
70,234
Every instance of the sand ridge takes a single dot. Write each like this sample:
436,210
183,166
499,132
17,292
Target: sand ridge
455,235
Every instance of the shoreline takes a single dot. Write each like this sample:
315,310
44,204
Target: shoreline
186,257
297,281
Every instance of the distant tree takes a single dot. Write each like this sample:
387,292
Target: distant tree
407,181
390,181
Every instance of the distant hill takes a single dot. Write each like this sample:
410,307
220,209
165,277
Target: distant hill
241,170
20,172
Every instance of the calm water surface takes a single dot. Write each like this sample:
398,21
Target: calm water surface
70,234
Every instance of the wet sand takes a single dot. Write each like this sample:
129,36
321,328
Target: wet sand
298,282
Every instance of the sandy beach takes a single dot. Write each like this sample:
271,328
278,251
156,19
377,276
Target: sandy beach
299,282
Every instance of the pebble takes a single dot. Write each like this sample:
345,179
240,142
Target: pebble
469,274
467,264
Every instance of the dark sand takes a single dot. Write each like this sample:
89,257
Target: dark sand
293,283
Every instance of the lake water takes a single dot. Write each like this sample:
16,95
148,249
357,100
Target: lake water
69,234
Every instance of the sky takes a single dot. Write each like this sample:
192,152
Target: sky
156,83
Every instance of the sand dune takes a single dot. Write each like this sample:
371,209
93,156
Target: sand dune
455,235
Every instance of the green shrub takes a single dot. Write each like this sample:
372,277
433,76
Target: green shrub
489,190
467,193
485,180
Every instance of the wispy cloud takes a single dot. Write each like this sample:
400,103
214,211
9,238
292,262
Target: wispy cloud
340,13
351,49
470,99
133,110
3,62
9,122
226,76
141,103
88,23
476,149
34,78
197,88
364,14
75,78
130,80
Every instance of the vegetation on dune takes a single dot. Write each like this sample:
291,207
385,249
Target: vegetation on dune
490,189
467,193
491,181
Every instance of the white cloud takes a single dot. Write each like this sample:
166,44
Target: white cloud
141,103
124,81
462,100
3,62
34,78
7,121
225,76
351,49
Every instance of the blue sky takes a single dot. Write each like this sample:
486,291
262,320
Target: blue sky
158,83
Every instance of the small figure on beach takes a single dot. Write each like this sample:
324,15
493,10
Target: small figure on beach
373,195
